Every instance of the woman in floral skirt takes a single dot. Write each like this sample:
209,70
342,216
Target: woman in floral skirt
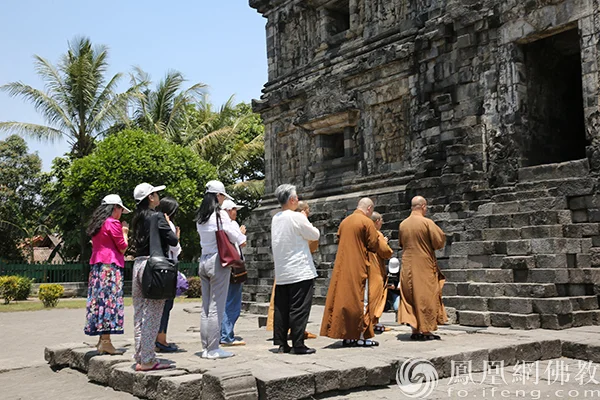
105,286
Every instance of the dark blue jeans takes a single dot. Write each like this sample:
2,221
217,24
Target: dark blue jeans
164,321
233,307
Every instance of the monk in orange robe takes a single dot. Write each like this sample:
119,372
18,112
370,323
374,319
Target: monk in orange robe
345,308
421,280
378,276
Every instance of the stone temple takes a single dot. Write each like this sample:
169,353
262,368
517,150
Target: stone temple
487,108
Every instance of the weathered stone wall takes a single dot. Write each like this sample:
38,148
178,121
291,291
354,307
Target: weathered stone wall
447,99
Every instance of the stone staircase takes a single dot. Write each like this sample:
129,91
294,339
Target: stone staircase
527,258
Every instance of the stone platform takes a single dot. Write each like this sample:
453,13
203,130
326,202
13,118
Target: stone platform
256,372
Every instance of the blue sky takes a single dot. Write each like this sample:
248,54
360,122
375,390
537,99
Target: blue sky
220,43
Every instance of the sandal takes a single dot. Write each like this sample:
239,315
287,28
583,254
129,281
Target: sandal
349,343
366,343
379,328
416,336
161,348
156,367
430,336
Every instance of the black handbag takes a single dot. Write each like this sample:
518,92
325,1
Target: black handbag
159,280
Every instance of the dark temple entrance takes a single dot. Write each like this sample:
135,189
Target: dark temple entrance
555,119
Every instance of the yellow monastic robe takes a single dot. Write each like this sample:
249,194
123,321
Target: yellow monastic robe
378,279
344,315
421,280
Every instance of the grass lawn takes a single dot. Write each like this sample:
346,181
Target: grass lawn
35,305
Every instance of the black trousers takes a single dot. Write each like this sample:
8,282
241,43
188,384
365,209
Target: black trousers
292,308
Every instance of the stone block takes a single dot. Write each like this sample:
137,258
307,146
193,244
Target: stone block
466,303
80,358
518,262
500,221
501,234
528,352
351,374
443,364
574,350
550,349
378,371
520,306
145,384
326,379
506,354
486,289
99,367
60,355
552,306
499,304
229,383
474,318
452,315
550,261
524,321
122,377
554,321
180,387
500,319
285,382
518,247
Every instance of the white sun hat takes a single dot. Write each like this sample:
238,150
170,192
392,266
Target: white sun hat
143,190
116,200
230,205
217,187
393,265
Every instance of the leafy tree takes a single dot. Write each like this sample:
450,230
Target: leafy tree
78,103
164,109
118,164
232,139
20,205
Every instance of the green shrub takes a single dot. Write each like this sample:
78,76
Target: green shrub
194,287
49,294
9,287
23,288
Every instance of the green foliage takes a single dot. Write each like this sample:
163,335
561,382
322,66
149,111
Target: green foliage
194,287
23,288
121,162
49,293
20,209
14,288
79,104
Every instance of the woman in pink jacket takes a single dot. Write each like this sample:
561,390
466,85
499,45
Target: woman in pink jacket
105,308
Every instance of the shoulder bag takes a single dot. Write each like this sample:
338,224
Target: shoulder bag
159,280
229,256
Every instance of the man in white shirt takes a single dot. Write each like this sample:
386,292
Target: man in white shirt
294,271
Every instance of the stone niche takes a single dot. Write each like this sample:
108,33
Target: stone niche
554,116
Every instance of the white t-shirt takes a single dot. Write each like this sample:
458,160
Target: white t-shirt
290,233
208,239
174,251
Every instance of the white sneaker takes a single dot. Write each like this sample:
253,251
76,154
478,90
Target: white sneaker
204,354
218,353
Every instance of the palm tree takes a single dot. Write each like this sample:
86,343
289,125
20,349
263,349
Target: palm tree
164,109
77,103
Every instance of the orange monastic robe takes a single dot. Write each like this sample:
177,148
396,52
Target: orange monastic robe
344,315
421,281
378,279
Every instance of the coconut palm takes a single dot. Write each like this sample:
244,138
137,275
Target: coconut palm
78,103
164,109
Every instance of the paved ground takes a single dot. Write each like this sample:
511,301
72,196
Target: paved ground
26,376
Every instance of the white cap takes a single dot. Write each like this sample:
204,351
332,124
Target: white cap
116,200
393,265
217,187
143,190
230,205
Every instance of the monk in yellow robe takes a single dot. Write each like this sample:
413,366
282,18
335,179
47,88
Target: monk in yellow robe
313,245
345,306
378,276
421,280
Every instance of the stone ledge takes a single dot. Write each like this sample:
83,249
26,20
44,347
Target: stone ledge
292,377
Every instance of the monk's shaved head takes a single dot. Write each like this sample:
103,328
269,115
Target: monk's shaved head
418,201
366,205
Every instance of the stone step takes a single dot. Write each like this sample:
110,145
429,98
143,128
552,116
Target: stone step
524,195
558,276
532,204
523,305
485,289
501,319
522,247
566,186
479,275
564,170
253,307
